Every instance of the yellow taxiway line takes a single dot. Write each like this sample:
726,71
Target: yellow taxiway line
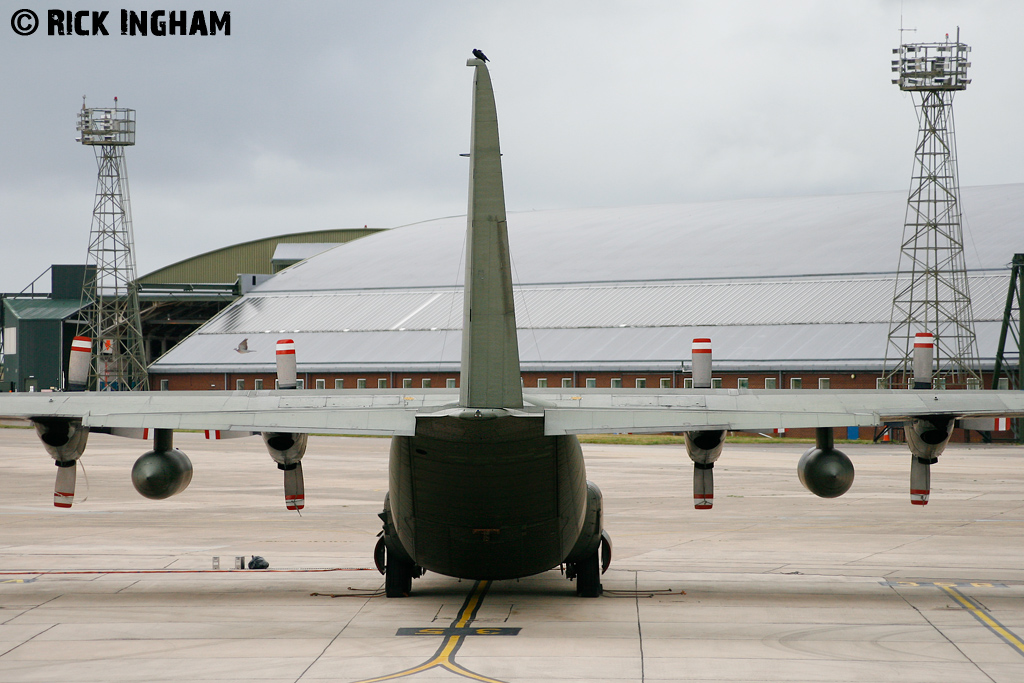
444,658
986,619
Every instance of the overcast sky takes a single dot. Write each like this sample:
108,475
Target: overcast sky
345,114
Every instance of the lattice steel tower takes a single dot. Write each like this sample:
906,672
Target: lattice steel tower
931,293
110,302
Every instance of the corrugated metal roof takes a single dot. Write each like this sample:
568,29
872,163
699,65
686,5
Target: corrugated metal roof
762,348
225,264
42,309
618,288
739,238
295,251
789,301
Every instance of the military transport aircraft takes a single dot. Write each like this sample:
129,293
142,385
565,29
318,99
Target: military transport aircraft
491,483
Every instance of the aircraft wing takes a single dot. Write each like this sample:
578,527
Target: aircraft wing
353,412
583,411
598,411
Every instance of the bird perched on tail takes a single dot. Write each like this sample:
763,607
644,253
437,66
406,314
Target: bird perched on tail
480,55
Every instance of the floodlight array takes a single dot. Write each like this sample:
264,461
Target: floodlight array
931,66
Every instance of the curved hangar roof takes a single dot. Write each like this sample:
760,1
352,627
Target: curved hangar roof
777,283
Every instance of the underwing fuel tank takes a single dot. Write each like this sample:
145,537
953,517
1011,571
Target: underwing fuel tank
163,471
824,471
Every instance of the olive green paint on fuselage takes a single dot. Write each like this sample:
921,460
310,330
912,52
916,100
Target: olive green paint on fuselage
494,499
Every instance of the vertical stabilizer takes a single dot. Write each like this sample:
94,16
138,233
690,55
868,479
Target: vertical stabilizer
490,351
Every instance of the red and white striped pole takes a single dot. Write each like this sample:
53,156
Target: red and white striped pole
924,352
701,363
78,364
286,372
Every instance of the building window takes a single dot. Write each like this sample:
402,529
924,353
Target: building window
321,384
257,384
360,384
880,383
687,383
300,384
542,383
641,382
1004,383
796,383
165,385
339,384
239,384
449,383
716,382
381,383
743,383
939,383
666,382
425,383
567,382
770,383
617,383
824,383
591,383
407,383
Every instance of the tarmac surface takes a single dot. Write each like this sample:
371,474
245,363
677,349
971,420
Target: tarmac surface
773,584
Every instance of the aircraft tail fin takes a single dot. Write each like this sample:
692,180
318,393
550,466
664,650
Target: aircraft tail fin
490,375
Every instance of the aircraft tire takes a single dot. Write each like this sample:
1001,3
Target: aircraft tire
398,578
588,576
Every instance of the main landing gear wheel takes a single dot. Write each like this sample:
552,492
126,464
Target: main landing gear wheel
398,578
398,574
588,576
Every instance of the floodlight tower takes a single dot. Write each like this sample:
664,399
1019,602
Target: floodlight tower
110,302
931,293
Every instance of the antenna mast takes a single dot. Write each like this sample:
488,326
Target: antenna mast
931,293
110,302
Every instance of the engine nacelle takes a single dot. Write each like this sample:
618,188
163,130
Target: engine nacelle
928,436
705,447
824,471
162,474
63,438
285,448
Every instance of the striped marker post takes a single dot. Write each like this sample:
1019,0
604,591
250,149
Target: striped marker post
78,364
286,372
924,352
701,363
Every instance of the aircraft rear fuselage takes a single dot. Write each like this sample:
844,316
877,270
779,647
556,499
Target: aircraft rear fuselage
487,499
